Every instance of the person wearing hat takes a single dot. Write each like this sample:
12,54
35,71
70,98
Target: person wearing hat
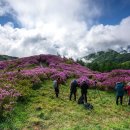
119,92
73,89
127,88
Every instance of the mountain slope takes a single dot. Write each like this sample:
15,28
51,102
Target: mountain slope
27,98
44,111
107,61
6,57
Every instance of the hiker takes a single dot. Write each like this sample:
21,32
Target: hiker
127,88
84,87
73,89
119,92
56,86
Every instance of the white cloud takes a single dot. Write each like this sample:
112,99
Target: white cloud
37,13
4,8
63,26
102,37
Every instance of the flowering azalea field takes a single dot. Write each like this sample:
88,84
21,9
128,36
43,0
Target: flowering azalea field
51,67
21,78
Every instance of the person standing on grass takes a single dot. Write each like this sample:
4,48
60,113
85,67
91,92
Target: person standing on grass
84,88
73,89
127,88
119,92
56,84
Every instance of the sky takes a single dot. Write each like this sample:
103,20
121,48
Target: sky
71,28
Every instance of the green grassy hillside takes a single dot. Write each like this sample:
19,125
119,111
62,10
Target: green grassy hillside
45,112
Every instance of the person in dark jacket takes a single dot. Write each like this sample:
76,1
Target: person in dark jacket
56,84
127,88
119,92
73,89
84,87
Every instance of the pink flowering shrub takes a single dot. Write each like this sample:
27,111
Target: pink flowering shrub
52,66
62,76
107,81
3,65
8,96
83,78
101,77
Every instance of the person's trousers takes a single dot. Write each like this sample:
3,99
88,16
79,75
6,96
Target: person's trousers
117,99
56,92
84,95
73,93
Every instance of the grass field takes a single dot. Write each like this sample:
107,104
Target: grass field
44,111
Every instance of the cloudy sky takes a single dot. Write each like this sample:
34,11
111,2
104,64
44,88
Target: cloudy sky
73,28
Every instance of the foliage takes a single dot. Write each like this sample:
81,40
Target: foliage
25,88
5,57
57,67
106,61
8,96
80,62
36,83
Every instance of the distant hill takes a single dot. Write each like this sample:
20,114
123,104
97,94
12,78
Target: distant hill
107,60
6,57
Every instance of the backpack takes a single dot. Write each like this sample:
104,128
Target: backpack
88,106
120,89
73,85
84,86
54,84
81,100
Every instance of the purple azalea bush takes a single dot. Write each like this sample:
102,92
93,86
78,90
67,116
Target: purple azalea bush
8,96
52,67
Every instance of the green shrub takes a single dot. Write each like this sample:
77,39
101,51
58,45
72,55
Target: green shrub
36,86
24,87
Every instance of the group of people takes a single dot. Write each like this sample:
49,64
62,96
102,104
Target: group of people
120,90
73,89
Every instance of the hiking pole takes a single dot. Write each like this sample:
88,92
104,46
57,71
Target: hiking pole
126,98
99,94
97,91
